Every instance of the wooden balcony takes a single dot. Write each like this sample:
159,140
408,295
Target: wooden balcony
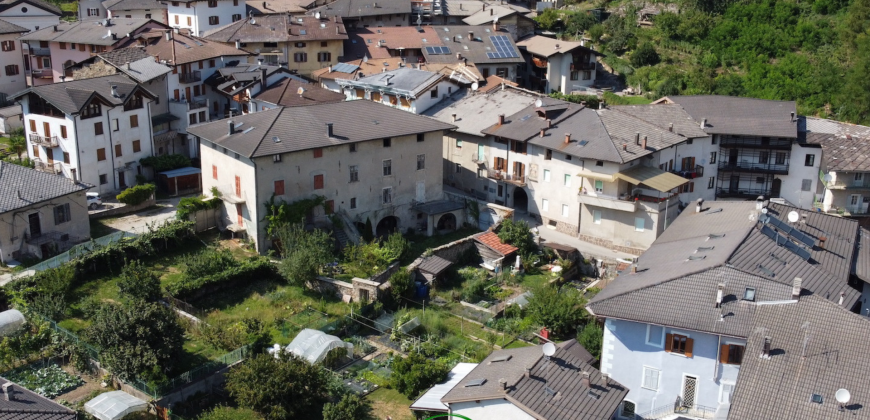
43,141
519,180
48,167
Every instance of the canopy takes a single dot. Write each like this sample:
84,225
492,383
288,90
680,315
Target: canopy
10,322
114,405
181,172
654,178
313,345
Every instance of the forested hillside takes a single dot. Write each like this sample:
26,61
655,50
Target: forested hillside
816,52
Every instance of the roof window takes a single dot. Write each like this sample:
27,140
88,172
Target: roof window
475,382
816,398
749,294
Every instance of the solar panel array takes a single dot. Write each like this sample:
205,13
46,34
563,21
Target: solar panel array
503,47
787,244
437,50
344,68
786,229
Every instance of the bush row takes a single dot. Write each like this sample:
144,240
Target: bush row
192,288
137,194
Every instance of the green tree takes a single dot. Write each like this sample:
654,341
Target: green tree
517,234
231,413
139,283
668,23
136,340
368,234
415,374
549,20
282,387
591,337
855,100
645,55
400,283
304,252
561,311
17,142
350,407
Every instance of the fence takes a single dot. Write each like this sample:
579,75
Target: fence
73,253
193,375
92,351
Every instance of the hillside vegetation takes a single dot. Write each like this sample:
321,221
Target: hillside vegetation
815,52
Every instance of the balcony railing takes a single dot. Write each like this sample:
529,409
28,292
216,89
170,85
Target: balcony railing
726,192
42,74
504,176
478,158
582,66
190,77
754,142
165,137
40,52
52,168
765,168
849,185
44,141
198,103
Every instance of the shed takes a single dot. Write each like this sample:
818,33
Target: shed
492,249
114,405
181,180
313,345
432,267
431,400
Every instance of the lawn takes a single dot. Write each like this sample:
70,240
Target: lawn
100,227
69,7
389,402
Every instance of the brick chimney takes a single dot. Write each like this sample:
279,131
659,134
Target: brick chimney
543,132
567,138
822,242
585,379
644,143
500,119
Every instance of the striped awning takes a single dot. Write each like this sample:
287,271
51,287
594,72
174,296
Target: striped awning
654,178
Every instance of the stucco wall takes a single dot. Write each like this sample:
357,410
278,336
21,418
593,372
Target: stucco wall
16,83
199,13
797,172
15,224
490,410
33,18
288,49
228,167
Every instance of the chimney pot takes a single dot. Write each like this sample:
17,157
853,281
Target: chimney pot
55,28
470,34
543,131
549,123
453,116
720,291
796,288
232,127
528,369
329,130
765,350
500,119
585,379
703,123
842,298
634,265
699,204
637,139
624,147
822,242
671,127
567,138
644,143
605,377
792,116
9,391
502,384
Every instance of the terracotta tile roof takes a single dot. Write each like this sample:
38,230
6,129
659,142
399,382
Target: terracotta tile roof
492,240
279,28
364,41
366,67
285,93
188,49
493,82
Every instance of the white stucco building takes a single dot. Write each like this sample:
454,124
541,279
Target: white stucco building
553,65
201,16
12,74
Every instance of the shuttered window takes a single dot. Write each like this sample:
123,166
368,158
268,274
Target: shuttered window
731,354
680,344
279,187
318,182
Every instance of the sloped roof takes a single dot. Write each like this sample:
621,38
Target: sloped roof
116,5
662,115
70,97
89,32
623,128
362,67
494,82
304,127
279,28
28,405
741,116
491,240
21,187
354,9
142,67
434,264
431,399
259,7
546,46
862,259
11,28
363,42
487,15
188,48
476,50
285,93
403,79
44,5
845,147
474,113
817,347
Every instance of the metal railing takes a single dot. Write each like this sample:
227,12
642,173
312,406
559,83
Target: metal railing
698,411
40,52
478,158
52,168
51,141
742,192
193,375
755,142
42,74
771,168
190,77
198,103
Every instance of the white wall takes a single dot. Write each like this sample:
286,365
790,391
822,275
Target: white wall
12,84
15,224
490,410
700,149
199,12
797,172
32,18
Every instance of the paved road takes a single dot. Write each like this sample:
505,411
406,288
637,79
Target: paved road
139,222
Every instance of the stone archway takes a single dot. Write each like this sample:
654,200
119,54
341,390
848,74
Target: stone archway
386,226
447,222
521,200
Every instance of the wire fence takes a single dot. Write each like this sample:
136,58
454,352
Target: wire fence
157,391
68,335
73,253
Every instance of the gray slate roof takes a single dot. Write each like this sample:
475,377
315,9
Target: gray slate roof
862,259
741,116
403,79
70,97
353,9
285,93
28,405
302,128
11,28
623,127
279,28
434,264
142,67
474,51
87,32
780,388
21,187
662,115
117,5
586,128
562,374
845,147
11,111
483,17
474,113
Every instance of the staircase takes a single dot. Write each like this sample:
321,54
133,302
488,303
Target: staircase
341,238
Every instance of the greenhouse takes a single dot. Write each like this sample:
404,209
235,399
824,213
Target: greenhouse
10,322
313,345
114,405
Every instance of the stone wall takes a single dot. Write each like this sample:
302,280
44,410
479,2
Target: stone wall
562,227
124,209
609,244
99,68
327,285
386,274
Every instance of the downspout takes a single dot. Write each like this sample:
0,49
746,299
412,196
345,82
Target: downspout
716,362
111,149
151,134
256,221
78,151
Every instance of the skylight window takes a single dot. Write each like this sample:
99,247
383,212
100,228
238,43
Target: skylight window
475,382
816,398
550,391
715,236
696,257
302,32
749,294
705,248
583,143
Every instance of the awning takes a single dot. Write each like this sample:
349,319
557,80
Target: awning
654,178
163,119
439,207
181,172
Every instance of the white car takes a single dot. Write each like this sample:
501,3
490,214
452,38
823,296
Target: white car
94,200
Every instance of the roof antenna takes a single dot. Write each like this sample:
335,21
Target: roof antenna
549,350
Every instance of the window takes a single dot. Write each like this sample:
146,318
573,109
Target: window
806,184
329,207
134,121
655,335
10,45
104,179
66,157
434,93
61,214
276,158
599,186
599,163
354,173
388,142
176,19
710,182
137,146
679,344
388,195
651,378
352,203
567,181
638,224
546,175
420,137
859,176
712,157
749,294
421,162
388,167
147,15
545,205
93,12
135,102
318,182
214,20
587,74
91,111
237,17
238,186
212,3
118,151
626,410
731,354
596,217
324,43
565,210
324,57
279,187
762,157
12,70
780,158
548,155
101,154
725,392
352,148
235,2
759,180
98,128
270,45
318,153
459,143
458,168
575,75
115,124
300,57
192,118
214,172
810,160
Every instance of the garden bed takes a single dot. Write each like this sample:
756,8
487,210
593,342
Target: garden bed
46,379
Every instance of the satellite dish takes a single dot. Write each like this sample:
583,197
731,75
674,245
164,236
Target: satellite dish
842,395
317,15
539,103
474,86
793,216
300,91
550,349
764,210
828,178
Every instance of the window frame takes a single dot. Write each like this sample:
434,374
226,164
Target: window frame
388,167
387,195
688,348
566,180
545,205
620,412
596,217
354,173
644,376
642,228
421,162
810,159
546,175
62,214
566,210
661,343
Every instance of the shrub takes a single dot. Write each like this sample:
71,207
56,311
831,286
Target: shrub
415,374
559,310
591,337
139,283
136,195
188,205
517,234
254,269
400,283
230,413
645,55
304,252
165,162
350,407
208,262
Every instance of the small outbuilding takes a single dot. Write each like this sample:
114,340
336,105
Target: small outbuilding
493,250
314,345
432,267
180,181
114,405
10,322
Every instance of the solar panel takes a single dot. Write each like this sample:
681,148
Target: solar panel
787,244
787,229
798,250
345,68
475,382
437,50
803,238
503,47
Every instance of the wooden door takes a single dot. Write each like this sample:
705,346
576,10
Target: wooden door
121,181
239,219
187,93
46,127
49,155
35,226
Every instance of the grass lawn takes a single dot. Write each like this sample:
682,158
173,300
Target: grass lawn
517,344
389,402
100,227
534,280
69,7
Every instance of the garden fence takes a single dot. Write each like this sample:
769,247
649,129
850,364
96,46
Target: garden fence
92,351
207,369
74,252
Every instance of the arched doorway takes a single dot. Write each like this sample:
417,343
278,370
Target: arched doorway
775,188
447,222
521,200
386,226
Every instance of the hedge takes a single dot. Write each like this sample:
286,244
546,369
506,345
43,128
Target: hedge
254,269
136,195
165,162
188,205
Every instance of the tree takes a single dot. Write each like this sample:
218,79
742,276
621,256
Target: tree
549,19
230,413
304,252
644,55
368,234
517,234
591,337
137,339
400,282
350,407
17,142
855,99
139,283
282,387
561,311
415,374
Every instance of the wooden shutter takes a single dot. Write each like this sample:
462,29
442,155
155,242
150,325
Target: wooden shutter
214,171
33,126
318,153
118,151
318,182
691,187
63,131
238,186
689,344
46,127
330,206
723,353
279,187
134,121
669,343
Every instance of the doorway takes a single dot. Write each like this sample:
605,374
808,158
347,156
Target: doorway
734,185
775,188
447,222
35,226
690,390
732,157
421,192
521,200
386,226
122,182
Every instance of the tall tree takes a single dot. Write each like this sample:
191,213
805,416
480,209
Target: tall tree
561,311
281,388
350,407
304,252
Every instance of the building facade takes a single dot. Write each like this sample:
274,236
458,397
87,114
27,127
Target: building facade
12,77
199,17
558,66
137,9
31,14
405,88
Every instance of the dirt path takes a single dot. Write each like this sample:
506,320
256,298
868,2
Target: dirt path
91,384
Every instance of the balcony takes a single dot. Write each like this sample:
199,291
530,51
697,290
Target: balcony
198,103
228,194
165,137
478,159
849,185
518,180
191,77
40,52
582,66
52,167
42,74
43,141
754,143
758,168
723,192
622,203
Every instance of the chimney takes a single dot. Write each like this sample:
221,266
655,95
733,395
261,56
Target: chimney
375,5
470,34
634,265
720,291
796,288
127,65
500,119
9,391
109,33
329,130
495,25
585,379
232,127
329,69
108,22
792,117
491,12
759,202
459,56
55,28
699,204
842,298
605,377
453,116
543,132
115,91
263,78
671,127
528,369
178,30
549,123
502,384
637,138
169,36
601,105
624,147
822,242
644,143
765,350
567,137
238,44
703,123
454,39
484,6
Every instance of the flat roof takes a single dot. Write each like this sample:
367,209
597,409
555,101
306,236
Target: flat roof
431,400
181,172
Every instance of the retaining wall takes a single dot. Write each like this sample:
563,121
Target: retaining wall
124,209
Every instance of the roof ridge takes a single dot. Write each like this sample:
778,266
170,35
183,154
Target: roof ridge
647,122
611,143
648,286
271,124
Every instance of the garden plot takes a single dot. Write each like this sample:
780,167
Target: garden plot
46,379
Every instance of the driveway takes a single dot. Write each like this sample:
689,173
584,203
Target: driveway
139,222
